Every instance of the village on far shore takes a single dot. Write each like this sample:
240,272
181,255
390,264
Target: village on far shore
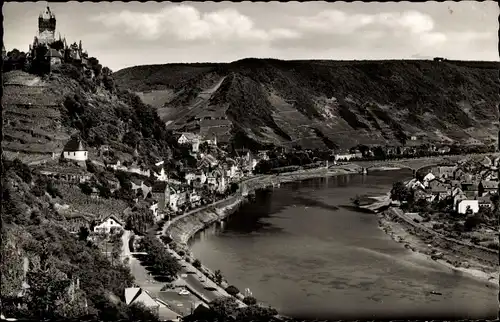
456,200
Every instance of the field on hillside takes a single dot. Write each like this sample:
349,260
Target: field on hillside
32,120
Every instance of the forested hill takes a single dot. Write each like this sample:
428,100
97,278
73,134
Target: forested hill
324,103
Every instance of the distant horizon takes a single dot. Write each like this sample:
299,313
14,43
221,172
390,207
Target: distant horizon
291,60
123,35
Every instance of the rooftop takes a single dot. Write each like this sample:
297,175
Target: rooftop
74,144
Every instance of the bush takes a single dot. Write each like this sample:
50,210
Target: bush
197,263
86,188
181,253
232,290
250,300
472,222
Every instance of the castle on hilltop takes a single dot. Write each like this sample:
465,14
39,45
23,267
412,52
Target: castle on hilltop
48,53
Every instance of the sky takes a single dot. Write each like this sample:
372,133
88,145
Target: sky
124,34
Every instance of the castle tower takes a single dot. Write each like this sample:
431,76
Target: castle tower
46,27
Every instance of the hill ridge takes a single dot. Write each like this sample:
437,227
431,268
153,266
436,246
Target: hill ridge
386,102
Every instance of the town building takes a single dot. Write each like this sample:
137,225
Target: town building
190,138
207,161
109,224
485,201
161,192
487,187
140,185
161,175
464,205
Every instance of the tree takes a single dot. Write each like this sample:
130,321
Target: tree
472,222
46,288
234,187
399,191
139,312
21,169
224,306
232,290
197,263
86,188
83,234
256,313
250,300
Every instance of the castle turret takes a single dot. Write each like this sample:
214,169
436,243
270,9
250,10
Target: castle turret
46,26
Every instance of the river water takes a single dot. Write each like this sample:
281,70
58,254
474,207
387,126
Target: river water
300,250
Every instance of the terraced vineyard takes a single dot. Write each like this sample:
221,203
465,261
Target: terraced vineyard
33,129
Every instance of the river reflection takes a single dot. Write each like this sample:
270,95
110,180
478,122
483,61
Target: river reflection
298,249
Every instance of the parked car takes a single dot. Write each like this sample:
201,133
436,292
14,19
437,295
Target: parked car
184,292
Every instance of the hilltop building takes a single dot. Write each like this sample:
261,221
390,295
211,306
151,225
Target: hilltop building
47,52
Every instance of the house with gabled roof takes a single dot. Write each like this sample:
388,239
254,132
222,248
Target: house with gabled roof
485,201
439,190
75,150
207,161
140,185
487,187
139,295
457,198
109,224
188,138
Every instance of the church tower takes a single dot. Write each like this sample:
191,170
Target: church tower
46,27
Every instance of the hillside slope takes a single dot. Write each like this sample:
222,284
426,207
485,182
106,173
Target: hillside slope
324,103
41,114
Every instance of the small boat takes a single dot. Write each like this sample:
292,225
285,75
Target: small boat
436,293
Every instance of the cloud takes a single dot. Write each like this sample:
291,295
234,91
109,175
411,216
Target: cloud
336,28
339,22
186,23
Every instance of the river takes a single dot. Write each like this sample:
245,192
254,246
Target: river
299,249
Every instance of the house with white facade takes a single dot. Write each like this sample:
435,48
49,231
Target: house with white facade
463,205
201,176
345,156
137,170
75,150
161,176
109,224
189,177
221,184
156,213
194,198
190,138
457,198
206,161
428,178
172,203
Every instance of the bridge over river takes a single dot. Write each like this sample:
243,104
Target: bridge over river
414,164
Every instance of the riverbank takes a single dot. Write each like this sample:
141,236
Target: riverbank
477,262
